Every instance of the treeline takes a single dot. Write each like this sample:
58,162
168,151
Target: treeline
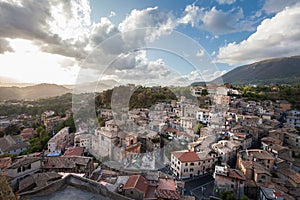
140,97
58,104
290,93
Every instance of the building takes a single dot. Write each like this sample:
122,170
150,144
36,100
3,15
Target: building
110,143
22,168
72,187
227,179
269,194
167,189
186,164
203,116
188,124
257,155
69,164
60,141
293,117
291,139
255,171
284,105
27,133
12,145
243,139
136,187
226,149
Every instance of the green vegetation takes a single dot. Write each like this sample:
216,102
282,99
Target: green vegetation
272,92
142,97
197,128
38,143
155,140
58,104
229,195
67,123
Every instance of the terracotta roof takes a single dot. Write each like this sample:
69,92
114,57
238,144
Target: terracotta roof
166,189
260,154
137,182
167,194
24,161
65,162
5,162
186,156
166,184
6,142
236,174
291,174
74,151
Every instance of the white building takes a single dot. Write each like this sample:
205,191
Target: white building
203,116
293,117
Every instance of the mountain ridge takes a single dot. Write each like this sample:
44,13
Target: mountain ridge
284,70
38,91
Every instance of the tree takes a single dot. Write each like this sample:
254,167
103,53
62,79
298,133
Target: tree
244,198
12,129
204,92
197,129
227,195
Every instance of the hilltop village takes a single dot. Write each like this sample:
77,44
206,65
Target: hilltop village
216,145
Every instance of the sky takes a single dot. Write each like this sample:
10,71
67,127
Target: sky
155,42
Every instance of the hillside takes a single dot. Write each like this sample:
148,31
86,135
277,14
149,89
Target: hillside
273,71
38,91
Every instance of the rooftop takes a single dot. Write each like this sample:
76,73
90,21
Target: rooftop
186,156
260,154
137,182
74,151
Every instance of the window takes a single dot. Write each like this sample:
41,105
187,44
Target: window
232,180
263,177
19,169
268,161
185,170
131,192
186,164
192,164
199,163
191,169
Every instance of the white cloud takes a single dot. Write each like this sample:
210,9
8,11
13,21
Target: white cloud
275,37
200,53
147,18
226,1
274,6
112,14
216,21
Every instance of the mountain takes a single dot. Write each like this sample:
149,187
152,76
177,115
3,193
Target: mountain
38,91
273,71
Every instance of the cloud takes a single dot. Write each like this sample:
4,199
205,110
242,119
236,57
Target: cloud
200,53
275,37
147,18
27,21
102,30
216,21
274,6
226,1
56,27
4,46
112,14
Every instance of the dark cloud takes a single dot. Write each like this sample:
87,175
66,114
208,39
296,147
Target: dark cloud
4,46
